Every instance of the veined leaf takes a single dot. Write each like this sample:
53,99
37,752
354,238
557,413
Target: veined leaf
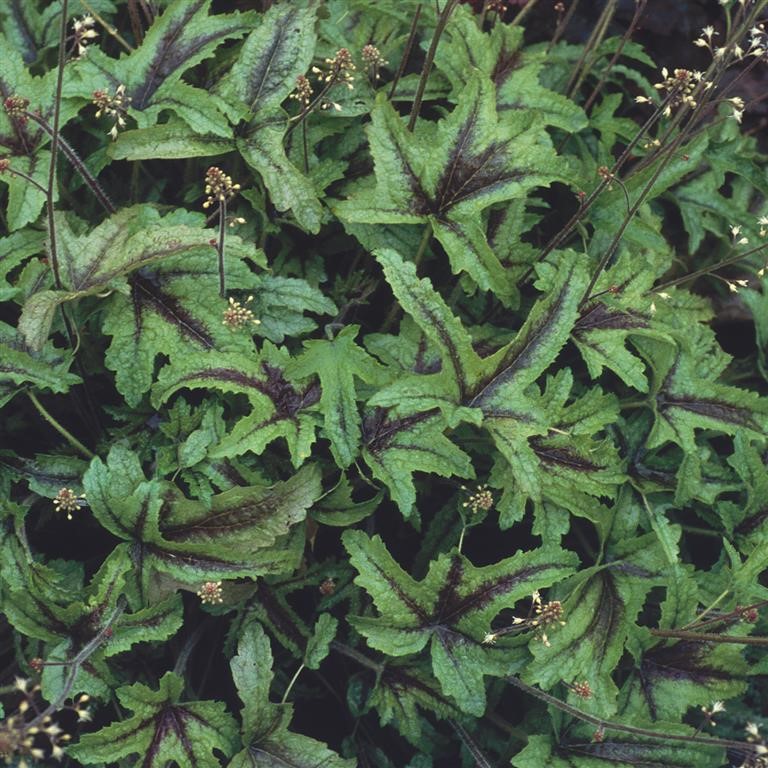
396,448
450,174
265,725
274,55
192,541
514,71
45,369
162,728
181,37
453,607
278,405
336,363
600,617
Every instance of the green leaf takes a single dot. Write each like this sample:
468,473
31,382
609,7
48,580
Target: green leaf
47,368
184,35
271,59
452,608
229,537
515,71
265,725
395,448
600,615
618,750
450,174
174,140
162,728
420,300
263,150
319,644
278,404
336,364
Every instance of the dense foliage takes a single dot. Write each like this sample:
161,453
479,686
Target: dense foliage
363,401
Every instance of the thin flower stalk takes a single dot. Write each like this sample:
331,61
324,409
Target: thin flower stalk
406,52
442,22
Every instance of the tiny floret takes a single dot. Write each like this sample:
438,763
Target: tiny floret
210,593
218,187
66,500
237,315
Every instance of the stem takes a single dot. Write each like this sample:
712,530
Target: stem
562,25
66,434
710,637
55,146
82,656
407,52
595,38
305,146
108,27
71,155
481,761
609,725
706,270
442,21
523,12
291,683
133,12
639,8
220,246
28,179
360,658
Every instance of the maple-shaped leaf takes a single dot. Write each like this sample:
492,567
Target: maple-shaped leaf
677,675
131,240
688,397
279,404
336,364
239,533
162,728
600,615
451,609
447,175
396,447
181,37
403,689
514,70
618,750
265,726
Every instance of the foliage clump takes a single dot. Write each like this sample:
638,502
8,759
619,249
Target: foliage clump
365,394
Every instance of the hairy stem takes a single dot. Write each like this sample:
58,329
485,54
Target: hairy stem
442,22
407,52
220,246
709,637
69,152
609,725
65,433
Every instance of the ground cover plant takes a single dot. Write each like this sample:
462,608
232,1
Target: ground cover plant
370,389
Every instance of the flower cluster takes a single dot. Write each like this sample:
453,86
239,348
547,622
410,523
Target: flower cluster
759,757
218,187
373,58
31,734
66,500
710,712
479,501
210,593
543,617
303,91
680,86
16,108
237,315
83,32
581,689
114,106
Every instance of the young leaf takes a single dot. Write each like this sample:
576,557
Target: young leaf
162,728
319,644
452,608
336,363
265,725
